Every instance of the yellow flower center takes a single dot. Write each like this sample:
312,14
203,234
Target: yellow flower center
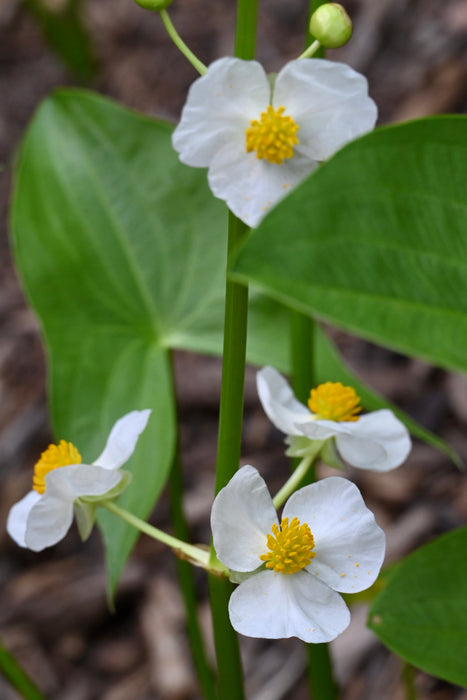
290,547
272,136
53,457
334,401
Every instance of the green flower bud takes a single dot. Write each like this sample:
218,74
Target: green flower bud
331,25
154,5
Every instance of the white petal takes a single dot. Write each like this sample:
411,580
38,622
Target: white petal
273,605
18,516
219,108
349,545
279,402
241,517
377,441
50,518
252,186
322,429
329,101
78,480
122,440
48,522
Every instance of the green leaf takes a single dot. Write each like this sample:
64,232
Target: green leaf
17,677
66,33
375,241
422,612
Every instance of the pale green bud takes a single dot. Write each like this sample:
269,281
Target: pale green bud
331,25
154,5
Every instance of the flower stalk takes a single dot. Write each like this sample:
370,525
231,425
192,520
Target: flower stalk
311,50
230,679
181,549
229,666
293,482
180,44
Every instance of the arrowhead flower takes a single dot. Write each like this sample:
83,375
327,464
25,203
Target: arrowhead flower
63,485
376,441
260,141
326,543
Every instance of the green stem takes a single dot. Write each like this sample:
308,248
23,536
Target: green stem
229,667
292,483
311,50
245,33
188,550
320,678
180,44
187,583
408,680
233,367
302,341
302,335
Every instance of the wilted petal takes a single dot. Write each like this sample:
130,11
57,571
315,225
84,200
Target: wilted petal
242,515
122,440
18,516
271,605
349,545
279,402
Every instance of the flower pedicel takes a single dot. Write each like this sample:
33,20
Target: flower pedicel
292,572
63,485
260,141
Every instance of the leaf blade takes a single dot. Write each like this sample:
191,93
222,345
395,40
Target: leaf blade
376,241
422,612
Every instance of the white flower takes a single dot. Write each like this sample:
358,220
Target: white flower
327,542
62,484
376,441
258,145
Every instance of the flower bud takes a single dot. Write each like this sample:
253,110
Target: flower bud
331,25
154,5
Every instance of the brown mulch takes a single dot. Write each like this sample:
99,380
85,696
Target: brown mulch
53,612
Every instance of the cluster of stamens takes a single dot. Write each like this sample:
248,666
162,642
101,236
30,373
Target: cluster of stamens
290,547
334,401
53,457
272,136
